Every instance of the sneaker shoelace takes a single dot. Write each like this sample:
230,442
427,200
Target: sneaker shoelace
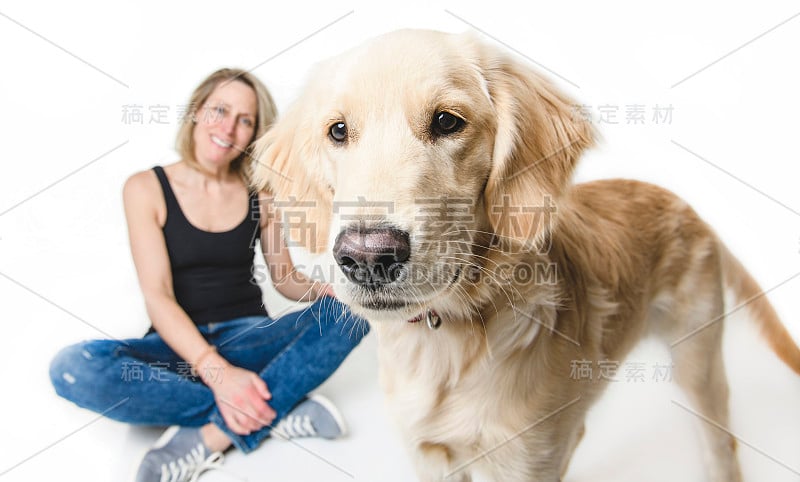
294,426
189,467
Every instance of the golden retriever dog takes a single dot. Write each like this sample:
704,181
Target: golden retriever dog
436,169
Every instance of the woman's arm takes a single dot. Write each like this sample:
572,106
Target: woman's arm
287,280
141,197
240,394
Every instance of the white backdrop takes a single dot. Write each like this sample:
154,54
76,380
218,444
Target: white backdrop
701,98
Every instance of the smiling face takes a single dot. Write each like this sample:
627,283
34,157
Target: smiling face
225,124
408,156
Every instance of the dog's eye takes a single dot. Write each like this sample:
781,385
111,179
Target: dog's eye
445,123
338,132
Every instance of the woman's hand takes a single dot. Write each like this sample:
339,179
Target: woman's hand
240,394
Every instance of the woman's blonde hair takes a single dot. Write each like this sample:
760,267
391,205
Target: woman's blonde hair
264,117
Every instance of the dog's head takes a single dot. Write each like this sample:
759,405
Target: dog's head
411,157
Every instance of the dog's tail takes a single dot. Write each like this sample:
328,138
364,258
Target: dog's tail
748,293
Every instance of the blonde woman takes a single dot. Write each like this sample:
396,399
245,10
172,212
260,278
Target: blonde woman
214,365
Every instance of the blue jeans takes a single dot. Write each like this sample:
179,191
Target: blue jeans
143,381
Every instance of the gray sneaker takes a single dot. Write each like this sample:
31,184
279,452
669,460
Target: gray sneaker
315,416
178,456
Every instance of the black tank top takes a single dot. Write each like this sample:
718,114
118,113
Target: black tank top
212,272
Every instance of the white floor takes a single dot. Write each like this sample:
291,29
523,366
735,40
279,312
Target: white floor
637,432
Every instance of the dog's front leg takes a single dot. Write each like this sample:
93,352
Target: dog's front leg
538,455
434,462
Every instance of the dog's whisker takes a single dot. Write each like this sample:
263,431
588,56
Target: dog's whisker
491,276
471,244
462,294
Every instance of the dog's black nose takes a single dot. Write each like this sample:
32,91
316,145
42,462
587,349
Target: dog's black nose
372,257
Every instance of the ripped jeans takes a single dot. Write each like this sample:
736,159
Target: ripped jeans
143,381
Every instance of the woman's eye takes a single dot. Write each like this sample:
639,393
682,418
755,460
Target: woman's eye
338,132
214,113
247,121
444,123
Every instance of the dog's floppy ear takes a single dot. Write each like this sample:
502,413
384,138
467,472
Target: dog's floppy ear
537,145
288,162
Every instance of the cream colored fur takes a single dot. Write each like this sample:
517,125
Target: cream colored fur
492,388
